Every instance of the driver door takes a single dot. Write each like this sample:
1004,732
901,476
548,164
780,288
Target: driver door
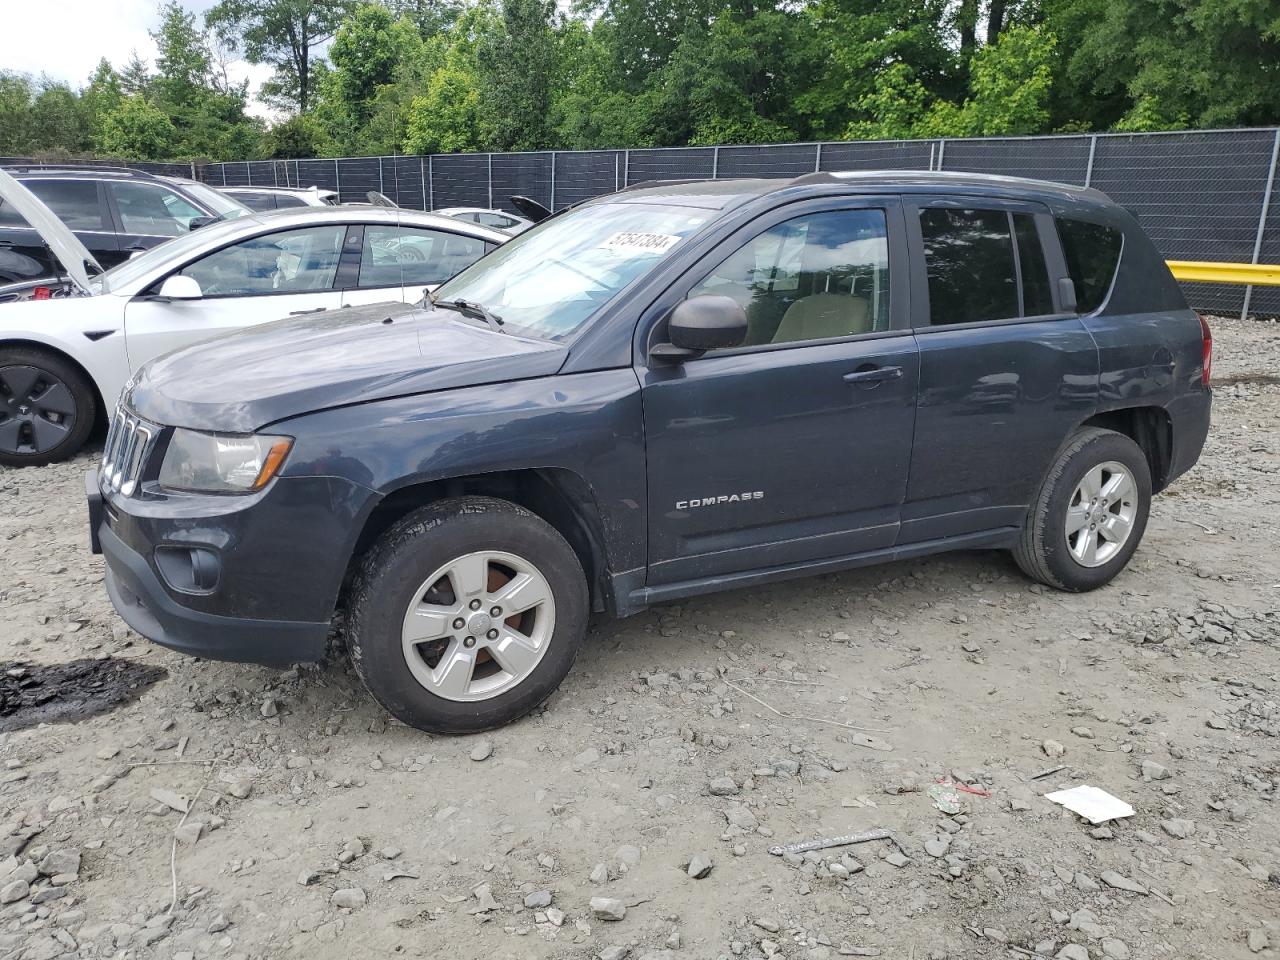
288,273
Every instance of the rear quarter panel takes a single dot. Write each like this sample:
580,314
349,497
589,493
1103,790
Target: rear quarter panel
1150,347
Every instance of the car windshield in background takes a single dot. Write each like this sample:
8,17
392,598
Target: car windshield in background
123,274
224,206
548,282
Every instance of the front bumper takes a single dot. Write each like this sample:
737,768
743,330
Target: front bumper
212,623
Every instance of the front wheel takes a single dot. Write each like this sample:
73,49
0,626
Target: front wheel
466,615
1090,513
47,408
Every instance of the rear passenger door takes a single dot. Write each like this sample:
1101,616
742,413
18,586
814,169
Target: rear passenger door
400,264
1005,372
80,204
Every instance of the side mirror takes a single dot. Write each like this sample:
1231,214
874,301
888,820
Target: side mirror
178,287
1067,294
195,223
699,324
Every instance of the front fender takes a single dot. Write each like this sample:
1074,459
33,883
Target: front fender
589,425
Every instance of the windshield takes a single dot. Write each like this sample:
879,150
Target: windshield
224,206
165,254
548,282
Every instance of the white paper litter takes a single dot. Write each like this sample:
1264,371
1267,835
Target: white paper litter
1096,806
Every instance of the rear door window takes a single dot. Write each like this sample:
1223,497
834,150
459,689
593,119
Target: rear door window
983,265
394,256
74,202
1037,301
1092,252
969,256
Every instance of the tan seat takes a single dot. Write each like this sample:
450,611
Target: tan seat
824,315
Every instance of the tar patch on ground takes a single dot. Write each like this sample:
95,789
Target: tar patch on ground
67,692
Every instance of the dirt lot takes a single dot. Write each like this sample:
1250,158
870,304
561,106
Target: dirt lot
317,828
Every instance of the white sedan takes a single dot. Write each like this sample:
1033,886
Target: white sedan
65,358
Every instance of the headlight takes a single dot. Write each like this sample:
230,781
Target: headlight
222,463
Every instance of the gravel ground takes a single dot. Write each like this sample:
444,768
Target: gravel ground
702,732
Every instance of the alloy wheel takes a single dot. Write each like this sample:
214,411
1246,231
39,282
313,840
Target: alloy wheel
37,410
1101,514
478,626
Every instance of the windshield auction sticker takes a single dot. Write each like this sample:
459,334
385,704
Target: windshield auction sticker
641,242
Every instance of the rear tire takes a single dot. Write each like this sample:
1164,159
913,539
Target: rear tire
1089,514
47,407
466,615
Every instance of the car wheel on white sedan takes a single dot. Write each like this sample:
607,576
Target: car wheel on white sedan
47,407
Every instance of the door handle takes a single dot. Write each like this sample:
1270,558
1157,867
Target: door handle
298,313
873,375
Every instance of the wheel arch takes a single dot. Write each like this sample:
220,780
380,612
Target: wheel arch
22,343
1151,428
559,496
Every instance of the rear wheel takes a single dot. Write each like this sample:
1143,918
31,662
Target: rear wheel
1090,513
47,408
466,615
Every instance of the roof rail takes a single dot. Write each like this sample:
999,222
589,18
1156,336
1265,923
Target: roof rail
78,168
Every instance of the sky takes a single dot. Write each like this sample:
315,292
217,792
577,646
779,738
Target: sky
66,38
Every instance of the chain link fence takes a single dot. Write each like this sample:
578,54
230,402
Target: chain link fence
1200,195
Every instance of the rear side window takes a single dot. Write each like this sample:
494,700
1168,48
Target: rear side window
969,256
74,202
256,201
1093,253
284,201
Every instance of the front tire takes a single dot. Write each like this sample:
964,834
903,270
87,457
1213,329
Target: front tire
47,408
466,615
1090,513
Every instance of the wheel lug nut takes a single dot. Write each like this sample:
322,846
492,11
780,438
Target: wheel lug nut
469,642
495,612
459,624
492,634
475,604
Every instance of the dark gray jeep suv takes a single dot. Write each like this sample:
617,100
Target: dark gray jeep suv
665,392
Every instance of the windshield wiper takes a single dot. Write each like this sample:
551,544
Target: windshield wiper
469,308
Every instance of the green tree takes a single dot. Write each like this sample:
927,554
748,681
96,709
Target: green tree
517,61
1201,62
370,46
136,130
58,120
297,138
101,96
447,118
136,75
283,34
16,94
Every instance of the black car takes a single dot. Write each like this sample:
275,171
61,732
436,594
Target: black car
657,394
115,211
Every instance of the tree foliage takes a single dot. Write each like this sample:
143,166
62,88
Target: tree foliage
496,75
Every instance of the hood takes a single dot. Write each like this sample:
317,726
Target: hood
244,381
71,253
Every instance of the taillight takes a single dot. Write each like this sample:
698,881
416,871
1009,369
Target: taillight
41,293
1206,338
